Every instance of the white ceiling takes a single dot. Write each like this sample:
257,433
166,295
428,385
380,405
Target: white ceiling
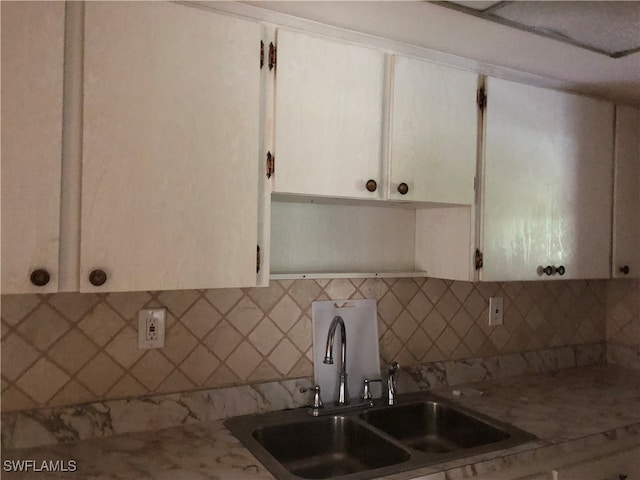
493,47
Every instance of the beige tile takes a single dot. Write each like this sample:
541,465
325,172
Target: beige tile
244,360
419,306
405,358
124,347
13,399
73,351
100,374
179,342
512,289
101,324
534,318
447,342
340,289
201,318
302,334
487,289
434,355
265,336
499,337
127,387
448,305
434,324
284,356
405,289
199,365
129,303
461,352
223,298
221,377
461,290
266,297
73,306
419,344
389,308
176,382
434,289
43,327
373,288
72,393
475,304
245,315
461,323
264,372
4,383
5,328
178,301
404,326
17,307
474,339
223,340
390,346
17,356
286,313
303,368
42,381
304,292
151,370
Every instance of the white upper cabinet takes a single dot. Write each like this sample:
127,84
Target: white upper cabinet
547,184
328,117
170,148
32,76
626,210
434,132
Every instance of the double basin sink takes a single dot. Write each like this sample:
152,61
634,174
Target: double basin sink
419,431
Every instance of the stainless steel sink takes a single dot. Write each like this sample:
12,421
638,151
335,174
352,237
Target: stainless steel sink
328,447
420,431
434,427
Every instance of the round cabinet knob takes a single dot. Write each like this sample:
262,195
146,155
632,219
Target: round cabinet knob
372,186
625,270
561,270
403,188
97,278
548,270
40,277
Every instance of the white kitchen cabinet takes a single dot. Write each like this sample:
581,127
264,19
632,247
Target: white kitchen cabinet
32,92
170,148
328,117
626,199
547,184
434,132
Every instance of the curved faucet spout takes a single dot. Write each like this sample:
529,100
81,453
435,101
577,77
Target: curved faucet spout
343,394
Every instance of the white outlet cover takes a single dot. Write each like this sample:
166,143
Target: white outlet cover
157,316
496,310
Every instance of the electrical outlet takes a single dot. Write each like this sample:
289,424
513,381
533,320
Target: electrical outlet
496,310
151,323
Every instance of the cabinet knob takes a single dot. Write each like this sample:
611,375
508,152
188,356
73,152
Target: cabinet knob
40,277
372,186
403,188
625,270
97,278
548,270
561,270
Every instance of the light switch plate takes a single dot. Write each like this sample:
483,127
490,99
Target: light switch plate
496,310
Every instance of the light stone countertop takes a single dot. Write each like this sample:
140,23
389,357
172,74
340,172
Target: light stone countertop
568,410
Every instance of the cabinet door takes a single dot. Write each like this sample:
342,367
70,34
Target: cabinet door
170,147
626,209
547,183
32,73
434,132
328,131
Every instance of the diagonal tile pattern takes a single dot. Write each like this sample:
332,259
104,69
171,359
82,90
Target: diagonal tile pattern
71,348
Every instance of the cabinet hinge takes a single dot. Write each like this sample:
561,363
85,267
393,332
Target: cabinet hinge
481,98
258,260
271,164
261,54
478,259
273,56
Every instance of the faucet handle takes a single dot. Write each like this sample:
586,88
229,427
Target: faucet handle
366,388
317,400
393,368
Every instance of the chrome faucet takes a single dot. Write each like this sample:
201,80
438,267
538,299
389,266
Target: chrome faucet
343,392
392,383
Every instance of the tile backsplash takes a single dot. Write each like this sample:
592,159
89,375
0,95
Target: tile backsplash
623,322
70,348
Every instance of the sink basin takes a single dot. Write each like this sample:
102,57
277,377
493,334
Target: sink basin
328,447
434,427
